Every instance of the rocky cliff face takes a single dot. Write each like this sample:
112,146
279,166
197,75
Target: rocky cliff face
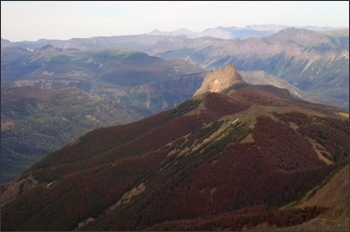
220,80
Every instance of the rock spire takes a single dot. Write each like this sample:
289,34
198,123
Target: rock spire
220,80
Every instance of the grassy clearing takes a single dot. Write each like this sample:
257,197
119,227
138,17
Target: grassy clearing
343,114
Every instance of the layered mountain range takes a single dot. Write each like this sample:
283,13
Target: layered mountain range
116,74
236,32
139,41
314,61
120,67
311,61
228,159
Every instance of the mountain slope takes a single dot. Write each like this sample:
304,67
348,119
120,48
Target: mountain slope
262,78
35,122
195,160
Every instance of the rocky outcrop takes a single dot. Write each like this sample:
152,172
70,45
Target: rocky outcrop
220,80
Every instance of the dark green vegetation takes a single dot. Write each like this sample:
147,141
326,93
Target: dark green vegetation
36,122
190,167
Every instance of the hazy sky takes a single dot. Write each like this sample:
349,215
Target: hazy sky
65,20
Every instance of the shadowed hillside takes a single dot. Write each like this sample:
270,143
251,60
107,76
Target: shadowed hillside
36,122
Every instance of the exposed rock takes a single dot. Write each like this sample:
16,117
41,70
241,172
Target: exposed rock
220,80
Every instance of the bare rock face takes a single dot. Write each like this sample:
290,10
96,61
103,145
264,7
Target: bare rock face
220,80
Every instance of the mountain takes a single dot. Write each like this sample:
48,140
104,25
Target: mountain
143,41
224,32
242,32
130,42
121,67
236,32
170,44
71,68
36,122
344,32
313,62
182,31
225,160
117,74
262,78
156,96
220,80
28,45
137,42
168,92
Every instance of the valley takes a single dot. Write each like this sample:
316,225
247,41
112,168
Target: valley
36,122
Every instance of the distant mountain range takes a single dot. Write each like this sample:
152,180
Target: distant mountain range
305,59
134,42
117,74
314,62
237,32
105,66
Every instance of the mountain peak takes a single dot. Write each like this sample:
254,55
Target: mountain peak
220,80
